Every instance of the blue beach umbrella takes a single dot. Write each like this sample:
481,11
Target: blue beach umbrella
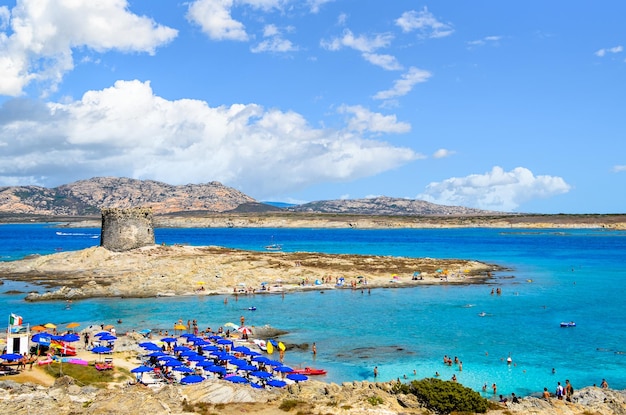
183,369
217,369
196,358
236,379
276,383
205,364
168,340
210,348
283,369
11,356
181,349
261,359
247,368
224,341
149,346
274,363
188,353
156,354
102,333
172,363
191,379
256,385
298,377
101,349
108,337
70,338
141,369
261,374
42,338
241,349
187,335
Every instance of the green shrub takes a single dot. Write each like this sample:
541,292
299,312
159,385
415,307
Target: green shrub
375,400
289,404
444,397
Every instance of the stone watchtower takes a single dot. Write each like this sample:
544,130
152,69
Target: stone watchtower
126,229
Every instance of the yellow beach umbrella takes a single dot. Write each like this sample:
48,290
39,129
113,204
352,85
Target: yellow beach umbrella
109,326
50,326
72,325
180,327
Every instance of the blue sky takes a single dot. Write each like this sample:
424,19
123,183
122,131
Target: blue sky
501,105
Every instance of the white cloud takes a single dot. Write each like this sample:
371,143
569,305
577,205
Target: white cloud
316,4
126,130
603,52
213,17
491,40
495,190
405,84
362,43
387,62
364,120
442,153
44,33
367,45
619,168
425,23
274,41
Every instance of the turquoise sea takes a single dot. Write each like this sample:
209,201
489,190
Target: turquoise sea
553,275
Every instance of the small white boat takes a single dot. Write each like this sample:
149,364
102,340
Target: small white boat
568,324
273,246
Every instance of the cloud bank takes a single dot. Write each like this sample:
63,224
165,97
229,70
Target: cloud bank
126,130
495,190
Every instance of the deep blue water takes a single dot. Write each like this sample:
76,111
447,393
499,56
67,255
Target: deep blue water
577,275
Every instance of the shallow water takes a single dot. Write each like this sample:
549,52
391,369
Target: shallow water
576,275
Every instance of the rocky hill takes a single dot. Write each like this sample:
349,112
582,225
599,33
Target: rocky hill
87,197
386,206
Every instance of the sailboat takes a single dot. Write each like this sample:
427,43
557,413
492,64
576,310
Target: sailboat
273,246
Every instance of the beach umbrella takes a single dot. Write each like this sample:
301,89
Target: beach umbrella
236,379
11,356
283,369
244,330
168,340
276,383
205,364
261,374
252,353
275,363
38,328
196,358
180,327
191,379
42,338
261,359
187,335
181,349
209,348
50,326
108,327
108,337
224,341
298,377
172,363
256,385
217,369
233,325
72,325
247,368
188,353
102,333
141,369
149,346
183,369
100,350
200,342
69,338
157,354
240,349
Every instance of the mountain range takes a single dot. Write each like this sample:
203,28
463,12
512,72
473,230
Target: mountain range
88,197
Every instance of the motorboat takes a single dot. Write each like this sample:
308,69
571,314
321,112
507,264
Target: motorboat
568,324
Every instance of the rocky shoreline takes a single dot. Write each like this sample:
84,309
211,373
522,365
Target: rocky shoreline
157,271
311,397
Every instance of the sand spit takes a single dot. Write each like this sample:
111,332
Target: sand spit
187,270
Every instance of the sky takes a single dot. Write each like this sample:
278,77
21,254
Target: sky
515,106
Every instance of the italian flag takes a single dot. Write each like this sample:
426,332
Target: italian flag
15,320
